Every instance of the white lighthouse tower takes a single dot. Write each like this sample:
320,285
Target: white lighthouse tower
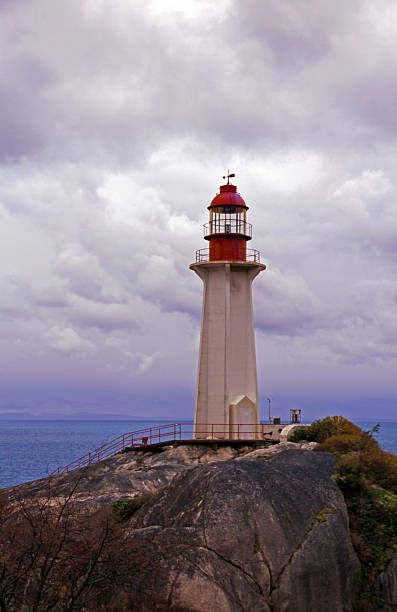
227,389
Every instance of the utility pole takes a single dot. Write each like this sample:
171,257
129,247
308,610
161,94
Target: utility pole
269,399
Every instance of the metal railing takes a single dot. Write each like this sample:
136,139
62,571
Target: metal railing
134,440
203,255
228,226
232,431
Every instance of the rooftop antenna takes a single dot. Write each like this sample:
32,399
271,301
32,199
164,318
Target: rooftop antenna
228,176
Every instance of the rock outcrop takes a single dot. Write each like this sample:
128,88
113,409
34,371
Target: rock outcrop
124,475
132,473
269,535
226,530
388,583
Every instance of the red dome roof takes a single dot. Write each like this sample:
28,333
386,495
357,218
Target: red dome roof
228,196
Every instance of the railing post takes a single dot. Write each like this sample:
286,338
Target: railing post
238,431
212,433
89,458
123,441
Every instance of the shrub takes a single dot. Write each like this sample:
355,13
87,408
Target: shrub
379,467
55,554
121,510
373,526
341,443
299,435
367,476
369,464
124,509
348,475
322,429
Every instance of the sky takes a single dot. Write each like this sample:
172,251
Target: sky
118,120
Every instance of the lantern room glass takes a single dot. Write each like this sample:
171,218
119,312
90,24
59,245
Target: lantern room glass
227,220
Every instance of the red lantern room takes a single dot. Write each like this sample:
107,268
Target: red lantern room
227,230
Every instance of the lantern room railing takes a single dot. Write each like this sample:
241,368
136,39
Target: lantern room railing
251,255
228,226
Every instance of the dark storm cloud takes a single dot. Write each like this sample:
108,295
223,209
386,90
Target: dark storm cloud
294,34
113,84
73,81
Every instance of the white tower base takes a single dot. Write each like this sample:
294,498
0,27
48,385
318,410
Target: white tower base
227,388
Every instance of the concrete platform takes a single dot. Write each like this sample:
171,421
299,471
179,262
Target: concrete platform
157,446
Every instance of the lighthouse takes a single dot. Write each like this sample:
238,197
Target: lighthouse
227,389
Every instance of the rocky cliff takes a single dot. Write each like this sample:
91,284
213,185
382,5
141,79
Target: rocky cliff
247,535
132,473
226,530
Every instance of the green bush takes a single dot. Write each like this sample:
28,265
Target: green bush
369,463
348,476
367,477
299,435
373,526
322,429
364,460
121,510
124,509
341,443
379,467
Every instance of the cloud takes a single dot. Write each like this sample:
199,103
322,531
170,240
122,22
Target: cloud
68,342
147,361
120,120
286,306
371,184
106,317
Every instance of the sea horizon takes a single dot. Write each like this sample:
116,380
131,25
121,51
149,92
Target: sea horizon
31,449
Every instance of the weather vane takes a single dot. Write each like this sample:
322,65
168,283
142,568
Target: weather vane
228,176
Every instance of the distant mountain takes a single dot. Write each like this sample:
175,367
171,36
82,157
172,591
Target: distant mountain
82,416
16,415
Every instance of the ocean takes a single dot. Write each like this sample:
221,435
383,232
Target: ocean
32,449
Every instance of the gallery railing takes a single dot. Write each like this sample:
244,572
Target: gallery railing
203,255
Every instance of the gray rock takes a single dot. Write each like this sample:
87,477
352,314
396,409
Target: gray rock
229,531
124,475
388,583
247,535
268,453
121,476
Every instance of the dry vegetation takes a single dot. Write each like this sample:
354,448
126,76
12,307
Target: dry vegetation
54,556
